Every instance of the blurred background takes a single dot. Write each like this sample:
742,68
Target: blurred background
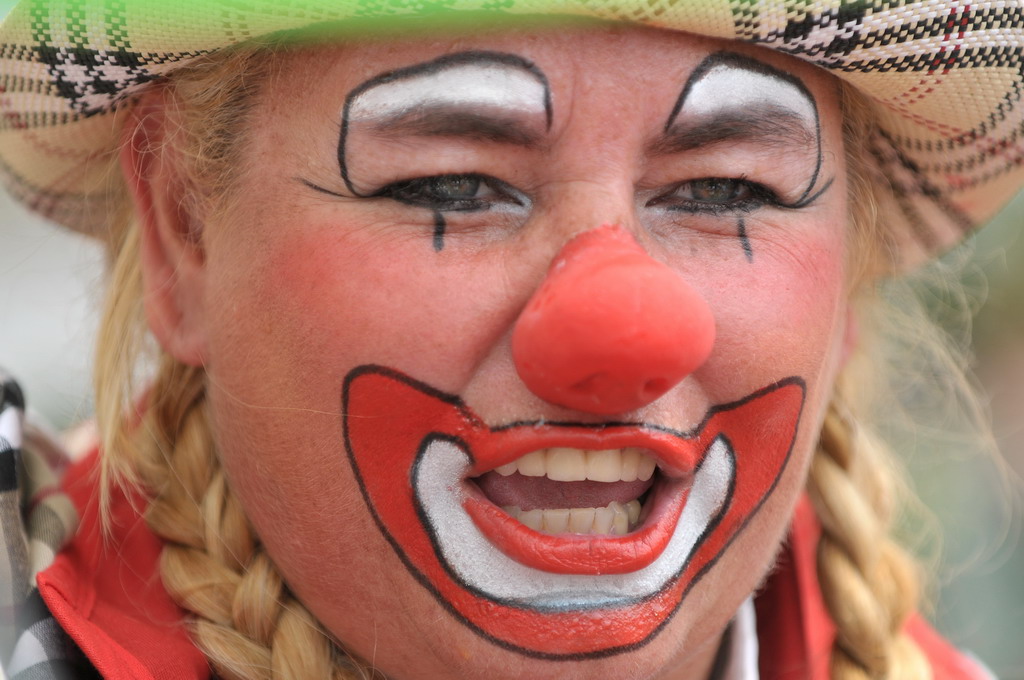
49,301
979,578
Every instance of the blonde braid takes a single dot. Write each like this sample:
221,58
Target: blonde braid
870,585
244,618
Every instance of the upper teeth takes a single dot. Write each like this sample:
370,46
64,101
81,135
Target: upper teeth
575,465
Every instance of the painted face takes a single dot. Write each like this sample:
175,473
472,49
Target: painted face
519,343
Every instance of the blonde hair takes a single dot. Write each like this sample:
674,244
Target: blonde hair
243,616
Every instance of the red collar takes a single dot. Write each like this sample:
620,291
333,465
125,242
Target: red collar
794,631
108,596
793,596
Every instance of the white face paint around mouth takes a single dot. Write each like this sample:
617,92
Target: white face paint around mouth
484,568
485,85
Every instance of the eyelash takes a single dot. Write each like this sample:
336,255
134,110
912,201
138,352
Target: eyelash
424,192
757,196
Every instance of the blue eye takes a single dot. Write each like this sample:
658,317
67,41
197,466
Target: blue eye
714,190
455,187
445,193
715,195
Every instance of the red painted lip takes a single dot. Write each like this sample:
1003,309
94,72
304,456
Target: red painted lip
572,553
677,458
389,419
582,554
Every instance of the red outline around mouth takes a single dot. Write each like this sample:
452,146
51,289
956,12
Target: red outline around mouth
389,418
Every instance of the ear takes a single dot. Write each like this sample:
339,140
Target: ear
170,234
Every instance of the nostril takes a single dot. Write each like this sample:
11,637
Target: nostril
656,387
586,386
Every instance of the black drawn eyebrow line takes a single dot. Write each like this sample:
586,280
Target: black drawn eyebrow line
448,120
435,66
771,126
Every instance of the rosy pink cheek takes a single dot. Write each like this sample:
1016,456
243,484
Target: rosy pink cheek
778,313
309,293
354,299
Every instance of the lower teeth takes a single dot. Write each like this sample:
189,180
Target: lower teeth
616,519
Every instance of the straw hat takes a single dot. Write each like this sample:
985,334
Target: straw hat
947,76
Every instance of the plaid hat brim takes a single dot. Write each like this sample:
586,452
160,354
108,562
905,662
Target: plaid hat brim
946,77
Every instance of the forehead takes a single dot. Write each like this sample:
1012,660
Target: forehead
619,61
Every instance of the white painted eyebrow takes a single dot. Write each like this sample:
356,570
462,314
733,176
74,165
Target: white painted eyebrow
477,86
725,87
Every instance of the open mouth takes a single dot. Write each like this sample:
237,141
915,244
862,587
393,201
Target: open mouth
564,490
555,568
528,530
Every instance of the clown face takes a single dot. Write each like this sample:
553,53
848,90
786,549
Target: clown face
518,344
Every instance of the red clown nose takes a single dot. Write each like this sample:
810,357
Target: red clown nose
610,329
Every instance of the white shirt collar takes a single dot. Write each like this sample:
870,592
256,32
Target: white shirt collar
742,654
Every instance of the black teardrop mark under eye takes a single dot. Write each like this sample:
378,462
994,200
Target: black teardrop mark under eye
439,228
741,230
722,191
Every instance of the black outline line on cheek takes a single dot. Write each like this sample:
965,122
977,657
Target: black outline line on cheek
740,61
320,189
434,66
